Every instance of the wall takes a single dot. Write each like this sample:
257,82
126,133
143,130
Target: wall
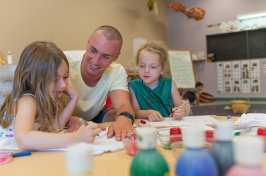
68,23
186,33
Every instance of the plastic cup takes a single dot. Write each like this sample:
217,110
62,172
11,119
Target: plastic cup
130,143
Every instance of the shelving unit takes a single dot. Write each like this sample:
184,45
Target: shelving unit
132,76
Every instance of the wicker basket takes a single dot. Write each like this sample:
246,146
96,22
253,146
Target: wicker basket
240,106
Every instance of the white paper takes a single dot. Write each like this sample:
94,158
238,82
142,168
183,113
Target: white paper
252,119
191,120
101,144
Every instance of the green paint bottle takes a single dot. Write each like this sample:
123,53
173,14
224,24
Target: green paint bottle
148,161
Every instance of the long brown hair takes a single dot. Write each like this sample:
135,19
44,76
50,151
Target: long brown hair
36,73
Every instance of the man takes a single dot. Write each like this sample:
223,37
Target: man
94,74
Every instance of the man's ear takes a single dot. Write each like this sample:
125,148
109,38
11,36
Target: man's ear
117,56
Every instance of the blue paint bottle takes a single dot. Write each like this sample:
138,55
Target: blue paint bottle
195,161
222,150
148,161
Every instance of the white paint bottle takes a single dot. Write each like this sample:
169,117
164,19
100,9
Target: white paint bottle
79,160
9,58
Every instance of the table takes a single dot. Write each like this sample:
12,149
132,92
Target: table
107,164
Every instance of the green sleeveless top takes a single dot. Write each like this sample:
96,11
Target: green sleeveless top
159,99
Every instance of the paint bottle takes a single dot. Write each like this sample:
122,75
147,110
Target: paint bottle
230,118
79,160
195,160
222,149
9,58
262,132
148,161
249,157
209,139
175,135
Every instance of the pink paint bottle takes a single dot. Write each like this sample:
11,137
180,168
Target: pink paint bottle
249,157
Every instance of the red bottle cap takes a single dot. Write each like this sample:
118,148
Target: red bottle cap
261,132
209,133
175,130
143,121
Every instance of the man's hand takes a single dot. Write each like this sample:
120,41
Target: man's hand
122,125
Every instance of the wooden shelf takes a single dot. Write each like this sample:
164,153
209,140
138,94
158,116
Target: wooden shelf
131,75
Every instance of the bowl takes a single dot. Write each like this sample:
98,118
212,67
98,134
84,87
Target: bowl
168,139
177,150
130,143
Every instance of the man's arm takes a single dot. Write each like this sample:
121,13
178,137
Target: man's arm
122,125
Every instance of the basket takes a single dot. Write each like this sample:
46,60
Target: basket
240,106
206,97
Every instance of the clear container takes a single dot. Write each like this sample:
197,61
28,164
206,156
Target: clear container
168,139
130,143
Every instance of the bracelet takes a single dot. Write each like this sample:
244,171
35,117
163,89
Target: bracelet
128,115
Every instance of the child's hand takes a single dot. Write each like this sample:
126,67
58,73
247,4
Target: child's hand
71,92
178,113
154,116
88,133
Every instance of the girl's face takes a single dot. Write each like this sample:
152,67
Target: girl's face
149,68
62,78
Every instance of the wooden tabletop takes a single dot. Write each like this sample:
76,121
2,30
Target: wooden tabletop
53,163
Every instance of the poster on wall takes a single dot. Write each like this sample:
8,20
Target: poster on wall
236,86
245,85
255,85
236,70
228,86
220,83
238,76
245,69
255,69
227,70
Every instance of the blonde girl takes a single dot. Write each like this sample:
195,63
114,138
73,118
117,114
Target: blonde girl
32,114
154,96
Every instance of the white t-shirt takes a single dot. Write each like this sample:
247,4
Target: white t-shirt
92,99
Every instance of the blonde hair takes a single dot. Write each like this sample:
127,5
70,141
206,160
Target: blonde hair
155,46
36,73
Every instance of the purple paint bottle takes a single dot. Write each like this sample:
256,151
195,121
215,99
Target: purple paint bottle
222,149
249,157
195,161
